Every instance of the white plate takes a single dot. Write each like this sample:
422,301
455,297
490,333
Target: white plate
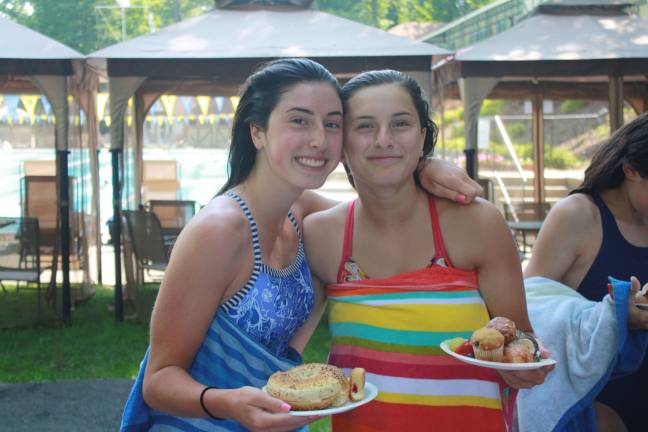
371,391
496,365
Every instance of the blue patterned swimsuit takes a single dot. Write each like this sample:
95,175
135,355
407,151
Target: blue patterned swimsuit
247,341
274,303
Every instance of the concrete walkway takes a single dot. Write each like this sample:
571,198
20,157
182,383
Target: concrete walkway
70,406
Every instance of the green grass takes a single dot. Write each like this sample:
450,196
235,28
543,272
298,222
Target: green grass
19,305
95,346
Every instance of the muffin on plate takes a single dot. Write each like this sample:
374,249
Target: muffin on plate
518,352
488,344
504,326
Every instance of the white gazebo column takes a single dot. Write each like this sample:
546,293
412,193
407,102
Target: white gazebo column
54,87
121,89
143,103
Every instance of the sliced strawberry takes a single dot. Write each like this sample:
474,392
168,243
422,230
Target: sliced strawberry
465,349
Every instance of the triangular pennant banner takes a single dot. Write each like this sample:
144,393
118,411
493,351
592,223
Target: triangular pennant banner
11,102
187,103
30,102
46,105
220,101
168,102
234,101
203,103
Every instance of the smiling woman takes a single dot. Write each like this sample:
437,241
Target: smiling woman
238,288
303,138
372,135
405,270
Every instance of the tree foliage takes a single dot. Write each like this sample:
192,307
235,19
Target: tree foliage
88,25
387,13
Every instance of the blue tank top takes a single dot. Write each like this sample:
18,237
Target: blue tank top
246,342
617,257
274,303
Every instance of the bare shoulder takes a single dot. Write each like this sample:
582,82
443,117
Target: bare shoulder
323,220
468,218
310,202
473,232
219,233
575,216
575,210
567,242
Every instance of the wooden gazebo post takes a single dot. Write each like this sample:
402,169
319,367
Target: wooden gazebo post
538,145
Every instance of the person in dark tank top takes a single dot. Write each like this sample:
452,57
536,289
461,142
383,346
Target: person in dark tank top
601,230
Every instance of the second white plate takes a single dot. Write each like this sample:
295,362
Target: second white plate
496,365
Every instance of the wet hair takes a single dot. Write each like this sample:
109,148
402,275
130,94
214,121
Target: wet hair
259,97
389,76
628,145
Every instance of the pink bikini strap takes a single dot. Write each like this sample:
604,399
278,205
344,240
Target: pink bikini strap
347,245
439,245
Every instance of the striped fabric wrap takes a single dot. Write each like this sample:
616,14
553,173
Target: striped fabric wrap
228,358
393,328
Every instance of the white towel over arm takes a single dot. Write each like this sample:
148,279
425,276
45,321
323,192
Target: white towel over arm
582,337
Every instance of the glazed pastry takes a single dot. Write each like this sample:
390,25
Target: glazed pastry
518,352
504,326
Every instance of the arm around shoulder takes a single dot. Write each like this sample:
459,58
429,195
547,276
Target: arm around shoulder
445,179
311,202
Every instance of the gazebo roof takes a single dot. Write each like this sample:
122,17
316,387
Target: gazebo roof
556,37
564,37
26,52
259,33
20,42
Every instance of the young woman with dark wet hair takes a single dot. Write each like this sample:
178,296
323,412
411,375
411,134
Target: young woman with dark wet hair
404,270
236,299
601,230
420,104
237,289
